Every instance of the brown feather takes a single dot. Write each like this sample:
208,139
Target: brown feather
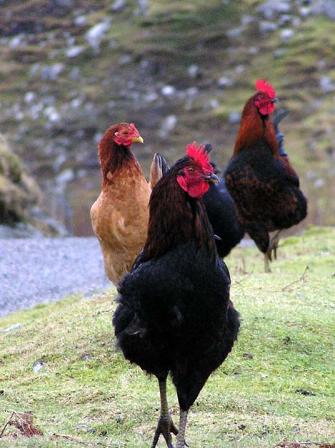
254,128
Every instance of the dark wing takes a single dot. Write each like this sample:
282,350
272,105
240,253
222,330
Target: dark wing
265,190
222,214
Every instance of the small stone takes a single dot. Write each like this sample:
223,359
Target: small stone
12,328
191,92
286,34
253,50
151,97
327,85
271,8
248,356
65,176
296,21
305,11
234,117
246,20
80,21
267,27
118,5
225,82
194,71
51,113
38,365
143,7
319,183
239,69
214,103
16,42
84,427
75,74
95,35
285,19
75,51
125,59
235,32
119,418
76,103
51,72
168,90
168,124
29,97
279,52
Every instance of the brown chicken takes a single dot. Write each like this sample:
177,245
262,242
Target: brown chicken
120,214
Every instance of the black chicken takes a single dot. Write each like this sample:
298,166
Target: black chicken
259,176
222,214
174,314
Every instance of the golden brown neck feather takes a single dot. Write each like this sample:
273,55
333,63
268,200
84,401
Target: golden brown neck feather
113,157
254,128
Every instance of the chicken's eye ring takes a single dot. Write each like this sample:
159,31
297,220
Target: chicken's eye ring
190,169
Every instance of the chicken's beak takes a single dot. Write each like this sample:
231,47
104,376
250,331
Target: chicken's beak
138,139
212,178
275,100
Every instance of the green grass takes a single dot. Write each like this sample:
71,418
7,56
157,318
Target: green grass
277,384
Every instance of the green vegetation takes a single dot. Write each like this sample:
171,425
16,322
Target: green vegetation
18,191
138,55
277,384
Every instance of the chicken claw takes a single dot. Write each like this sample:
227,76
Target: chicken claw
165,427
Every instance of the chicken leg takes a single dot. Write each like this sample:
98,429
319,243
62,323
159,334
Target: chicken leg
273,246
182,428
165,424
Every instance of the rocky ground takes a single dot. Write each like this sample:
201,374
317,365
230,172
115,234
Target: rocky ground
180,70
39,270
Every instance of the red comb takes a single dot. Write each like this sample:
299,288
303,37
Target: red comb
199,155
265,87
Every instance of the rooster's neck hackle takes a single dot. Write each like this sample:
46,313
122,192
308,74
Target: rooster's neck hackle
254,129
113,157
175,218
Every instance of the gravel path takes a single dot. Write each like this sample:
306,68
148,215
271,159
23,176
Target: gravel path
39,270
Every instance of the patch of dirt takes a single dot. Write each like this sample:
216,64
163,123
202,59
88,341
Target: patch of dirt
23,424
286,444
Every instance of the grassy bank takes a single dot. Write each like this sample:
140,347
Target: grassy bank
276,385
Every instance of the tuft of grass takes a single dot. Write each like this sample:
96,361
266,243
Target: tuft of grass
277,384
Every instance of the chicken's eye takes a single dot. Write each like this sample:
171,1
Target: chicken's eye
190,169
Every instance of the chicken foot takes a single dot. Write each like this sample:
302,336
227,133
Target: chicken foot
165,424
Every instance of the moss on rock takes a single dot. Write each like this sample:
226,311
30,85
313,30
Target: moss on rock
18,191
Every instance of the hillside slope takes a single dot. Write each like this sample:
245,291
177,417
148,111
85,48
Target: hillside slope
278,384
181,70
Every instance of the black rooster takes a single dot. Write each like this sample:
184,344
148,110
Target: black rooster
259,176
174,314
